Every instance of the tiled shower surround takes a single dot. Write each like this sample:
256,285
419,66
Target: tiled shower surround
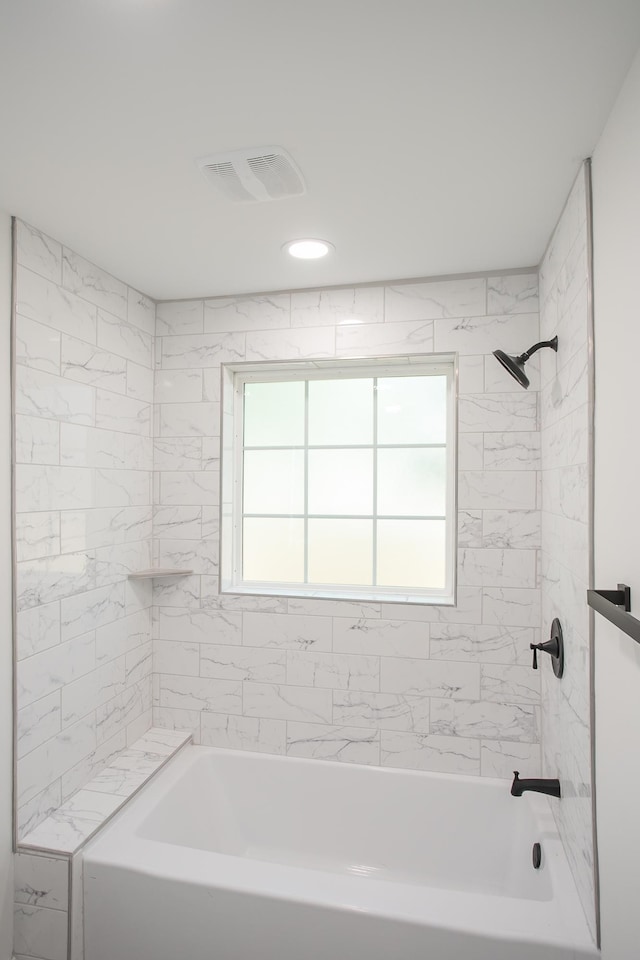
565,427
83,396
427,687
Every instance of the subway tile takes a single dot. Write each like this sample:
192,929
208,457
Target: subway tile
48,762
515,529
122,488
510,684
313,308
45,302
482,643
37,722
470,451
51,578
141,311
373,339
515,293
470,529
511,607
37,535
40,394
380,637
320,741
179,386
296,344
475,335
38,252
86,447
124,339
177,453
432,678
438,754
86,363
90,610
245,663
332,608
93,284
122,414
497,568
484,720
93,690
40,487
386,711
243,733
431,300
512,451
176,657
189,419
201,626
139,382
471,374
201,693
40,932
47,671
199,556
467,609
41,881
88,529
205,350
37,440
37,629
493,490
286,632
179,317
37,346
508,412
287,702
33,811
267,312
332,670
180,592
181,522
189,487
499,758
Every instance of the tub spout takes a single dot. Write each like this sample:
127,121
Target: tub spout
518,787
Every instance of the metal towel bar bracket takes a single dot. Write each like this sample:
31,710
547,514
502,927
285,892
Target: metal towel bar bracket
615,606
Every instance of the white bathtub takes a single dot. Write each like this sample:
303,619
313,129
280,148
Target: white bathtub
240,856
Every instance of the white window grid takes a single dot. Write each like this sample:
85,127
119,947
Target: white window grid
237,375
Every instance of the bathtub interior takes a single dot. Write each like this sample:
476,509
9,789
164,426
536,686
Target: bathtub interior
450,832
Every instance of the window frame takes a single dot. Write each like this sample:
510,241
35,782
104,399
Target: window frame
233,378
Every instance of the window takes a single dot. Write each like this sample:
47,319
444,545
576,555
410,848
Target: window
338,479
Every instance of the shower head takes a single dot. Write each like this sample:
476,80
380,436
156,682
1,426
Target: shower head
515,365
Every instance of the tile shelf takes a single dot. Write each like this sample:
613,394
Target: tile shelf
154,573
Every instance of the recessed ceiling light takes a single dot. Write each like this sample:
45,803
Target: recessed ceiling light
308,249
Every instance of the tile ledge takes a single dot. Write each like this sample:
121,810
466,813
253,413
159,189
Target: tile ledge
157,572
155,748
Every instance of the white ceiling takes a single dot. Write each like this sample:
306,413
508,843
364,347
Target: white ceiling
435,136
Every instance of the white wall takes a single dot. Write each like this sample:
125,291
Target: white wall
6,719
616,192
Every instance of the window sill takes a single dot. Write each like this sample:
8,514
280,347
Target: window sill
333,593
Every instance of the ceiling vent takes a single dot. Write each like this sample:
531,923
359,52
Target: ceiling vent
254,175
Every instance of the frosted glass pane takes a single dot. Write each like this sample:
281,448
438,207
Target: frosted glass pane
340,412
273,481
411,553
273,550
341,481
412,410
412,482
340,551
273,414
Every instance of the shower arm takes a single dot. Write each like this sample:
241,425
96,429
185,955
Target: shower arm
538,346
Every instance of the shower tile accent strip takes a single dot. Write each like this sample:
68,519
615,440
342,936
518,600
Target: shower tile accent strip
427,687
48,902
565,419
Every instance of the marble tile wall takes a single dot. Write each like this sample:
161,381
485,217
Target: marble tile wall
566,476
84,346
434,688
